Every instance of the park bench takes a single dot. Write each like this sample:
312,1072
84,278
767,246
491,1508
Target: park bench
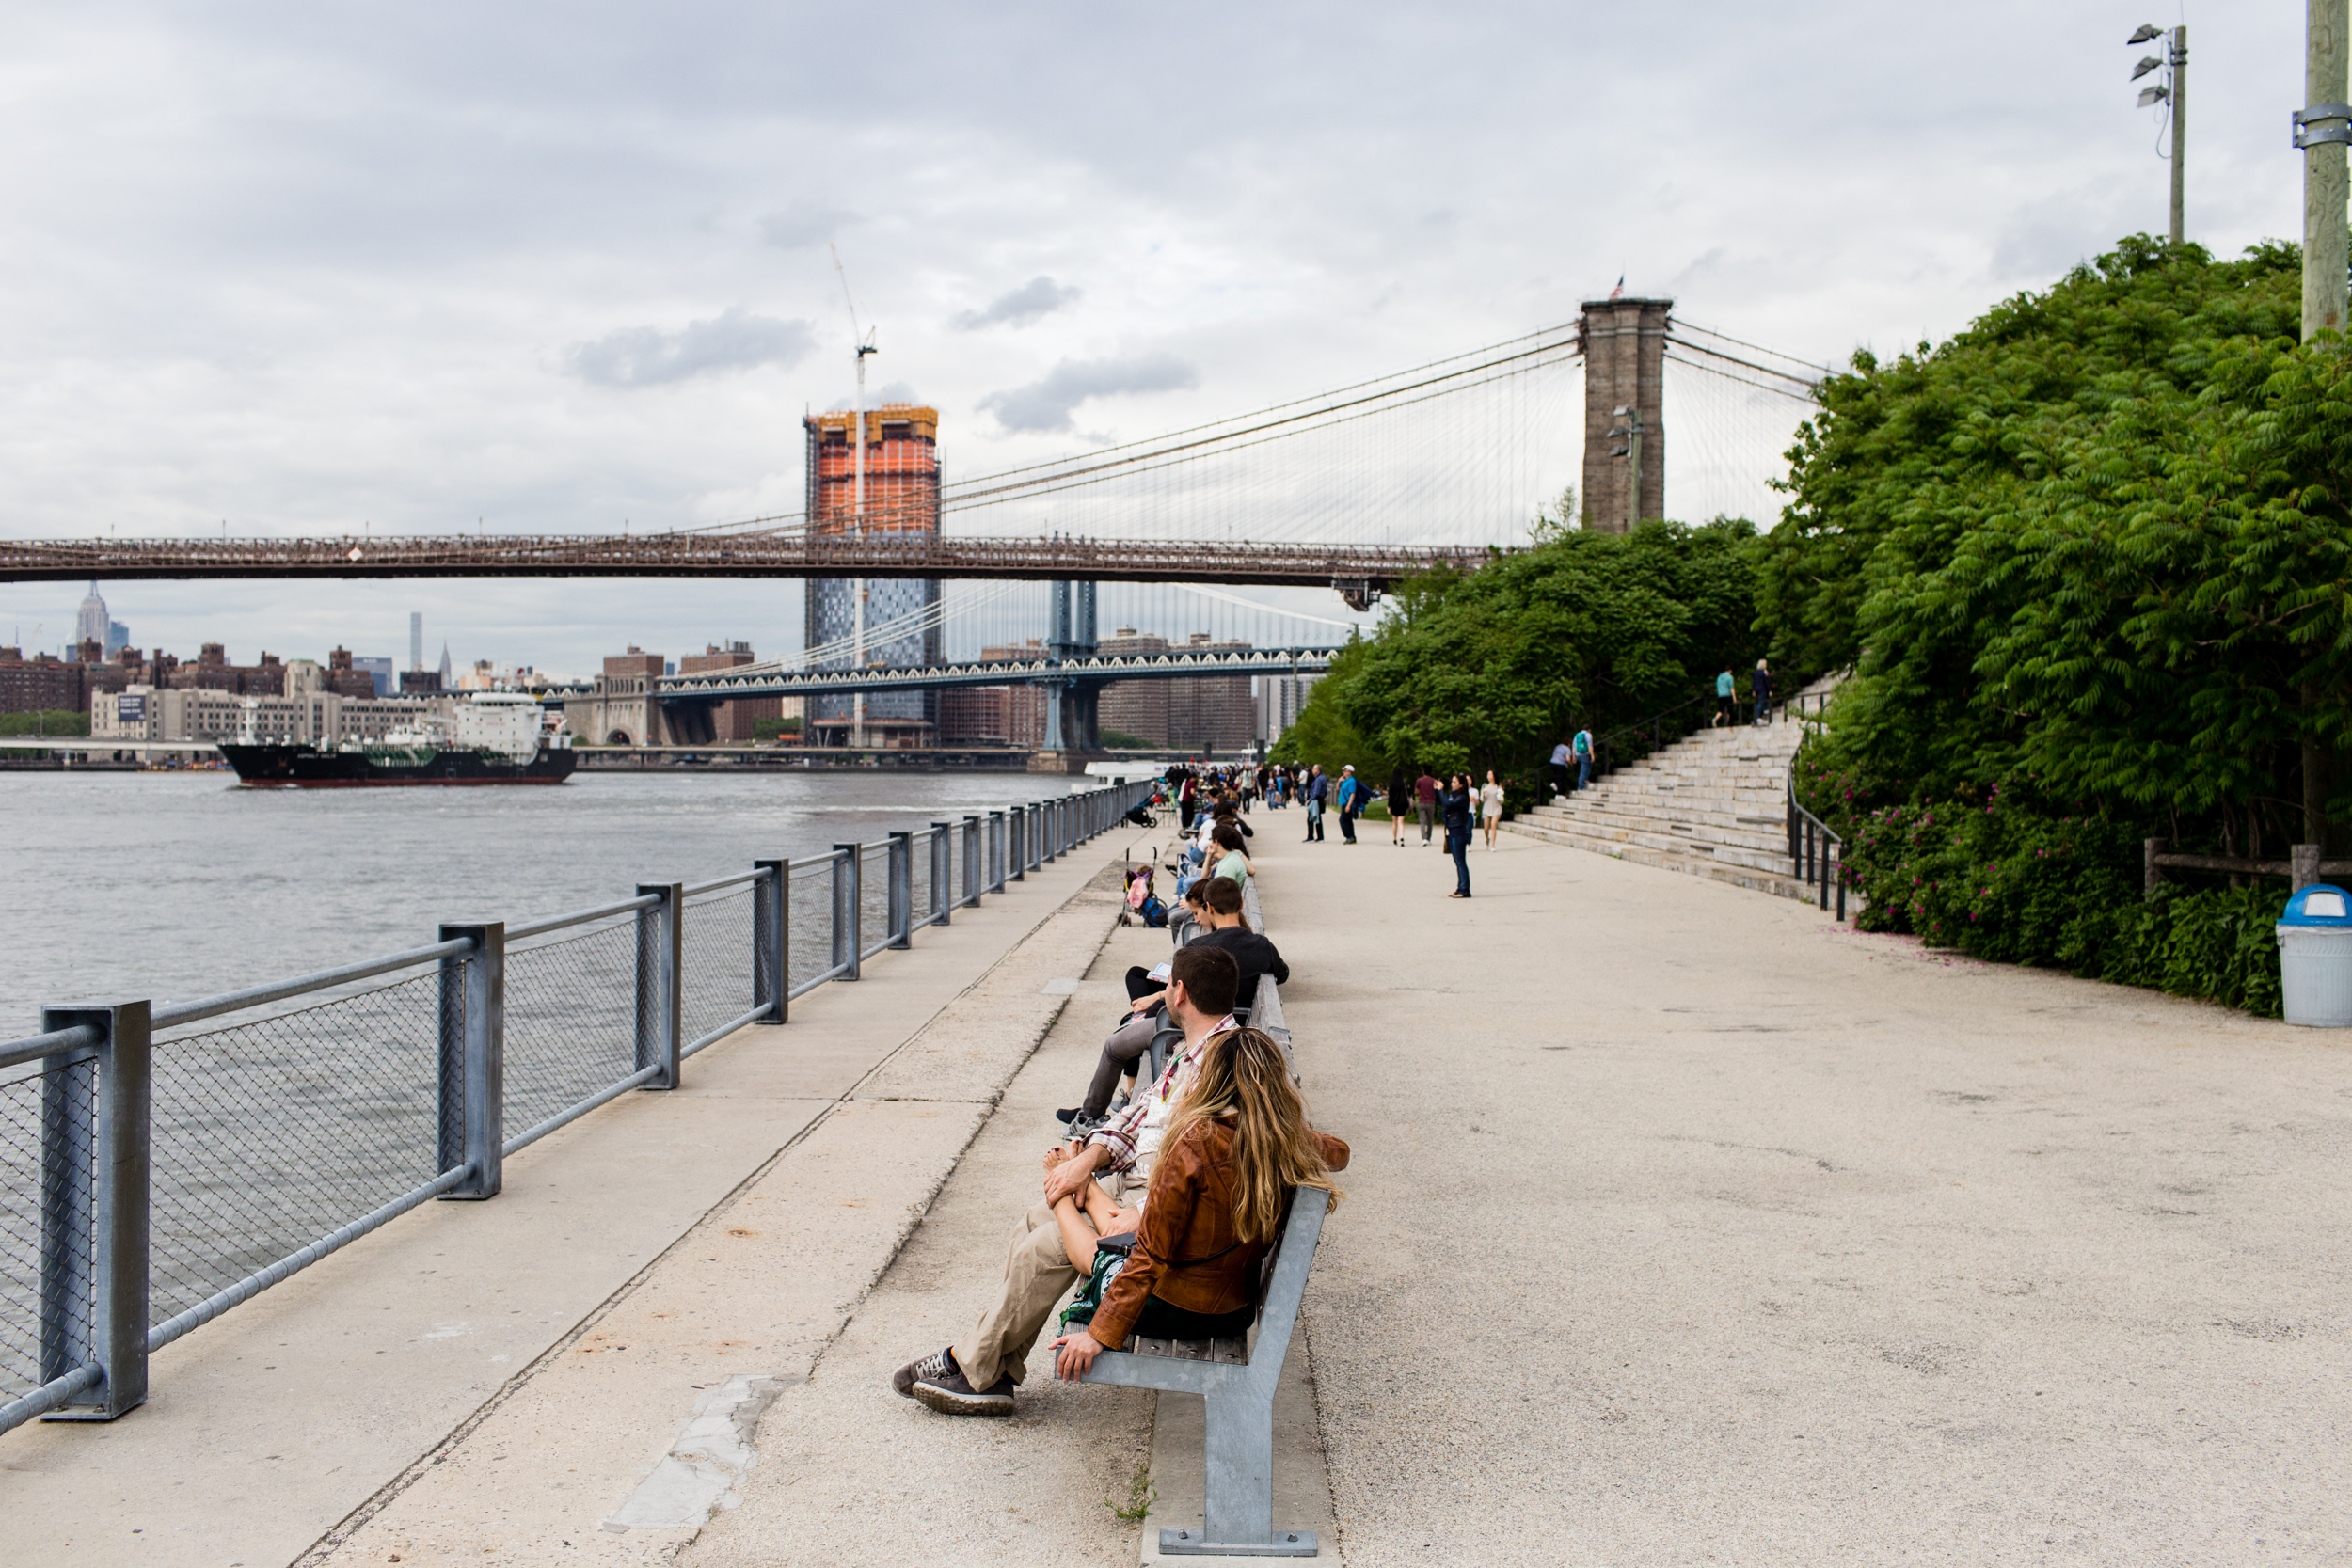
1236,1378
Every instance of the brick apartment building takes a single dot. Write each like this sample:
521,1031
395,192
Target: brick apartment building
732,720
1196,714
996,714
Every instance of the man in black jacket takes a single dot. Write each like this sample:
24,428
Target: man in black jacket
1222,925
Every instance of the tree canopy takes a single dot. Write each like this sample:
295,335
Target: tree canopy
2097,542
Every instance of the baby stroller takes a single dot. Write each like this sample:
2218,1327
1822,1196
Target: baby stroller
1141,901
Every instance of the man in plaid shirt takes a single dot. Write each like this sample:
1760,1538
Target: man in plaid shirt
976,1376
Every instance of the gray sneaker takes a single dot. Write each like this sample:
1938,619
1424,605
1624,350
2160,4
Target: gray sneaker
952,1396
937,1365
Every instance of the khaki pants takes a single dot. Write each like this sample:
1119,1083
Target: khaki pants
1037,1272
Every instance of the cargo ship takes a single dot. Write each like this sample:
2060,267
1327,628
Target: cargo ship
497,737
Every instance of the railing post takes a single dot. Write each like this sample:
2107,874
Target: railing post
1821,840
1016,842
1033,835
772,940
847,907
474,1062
657,952
94,1232
1841,882
2150,871
996,851
901,913
2303,866
971,860
942,873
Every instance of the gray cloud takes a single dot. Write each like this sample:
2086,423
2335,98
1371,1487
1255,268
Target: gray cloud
1040,296
1047,403
735,340
806,223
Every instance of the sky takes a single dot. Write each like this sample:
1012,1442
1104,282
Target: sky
277,268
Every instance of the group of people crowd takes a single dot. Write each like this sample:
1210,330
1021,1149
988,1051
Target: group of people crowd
1161,1199
1457,800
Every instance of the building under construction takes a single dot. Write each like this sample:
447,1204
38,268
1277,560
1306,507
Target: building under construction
901,613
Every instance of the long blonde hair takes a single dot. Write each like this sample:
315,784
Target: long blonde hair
1241,1076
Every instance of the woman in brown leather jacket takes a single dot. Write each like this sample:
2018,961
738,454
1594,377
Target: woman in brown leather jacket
1237,1144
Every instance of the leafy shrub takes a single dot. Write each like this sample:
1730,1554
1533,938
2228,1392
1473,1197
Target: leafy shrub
2006,880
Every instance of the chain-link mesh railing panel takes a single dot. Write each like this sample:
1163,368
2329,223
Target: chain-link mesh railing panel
571,1022
35,1102
268,1135
874,896
919,879
811,914
715,980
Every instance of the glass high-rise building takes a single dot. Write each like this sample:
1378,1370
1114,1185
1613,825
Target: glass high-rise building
901,613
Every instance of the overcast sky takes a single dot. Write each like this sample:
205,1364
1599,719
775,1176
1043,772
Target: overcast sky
302,268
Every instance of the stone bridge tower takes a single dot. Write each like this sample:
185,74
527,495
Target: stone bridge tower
1625,360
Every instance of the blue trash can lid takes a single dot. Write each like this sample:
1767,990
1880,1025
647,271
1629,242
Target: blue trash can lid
2320,903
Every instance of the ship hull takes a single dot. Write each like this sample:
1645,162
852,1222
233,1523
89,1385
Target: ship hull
307,767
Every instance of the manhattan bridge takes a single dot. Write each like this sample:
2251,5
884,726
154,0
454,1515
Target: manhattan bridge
1011,578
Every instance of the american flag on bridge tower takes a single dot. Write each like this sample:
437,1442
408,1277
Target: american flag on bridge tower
1618,292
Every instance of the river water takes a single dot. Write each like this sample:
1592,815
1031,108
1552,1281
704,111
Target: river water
170,886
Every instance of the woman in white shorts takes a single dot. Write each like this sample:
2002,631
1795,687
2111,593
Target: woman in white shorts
1490,806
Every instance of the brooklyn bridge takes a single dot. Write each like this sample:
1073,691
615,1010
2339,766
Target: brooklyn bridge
1442,466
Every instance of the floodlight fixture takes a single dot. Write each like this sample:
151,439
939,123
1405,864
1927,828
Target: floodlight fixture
2145,33
2151,95
1619,451
2154,62
1621,412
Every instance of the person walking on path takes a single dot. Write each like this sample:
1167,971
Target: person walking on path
1490,808
1352,793
1727,699
1318,791
1400,798
1457,801
1559,772
1425,799
1583,744
1763,684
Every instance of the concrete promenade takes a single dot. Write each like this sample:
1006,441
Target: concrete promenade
1689,1227
1685,1227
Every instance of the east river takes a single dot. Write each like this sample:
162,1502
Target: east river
170,886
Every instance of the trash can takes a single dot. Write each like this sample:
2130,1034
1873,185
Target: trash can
2316,956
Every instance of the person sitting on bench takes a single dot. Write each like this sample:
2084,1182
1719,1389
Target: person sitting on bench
1222,925
977,1375
1235,1147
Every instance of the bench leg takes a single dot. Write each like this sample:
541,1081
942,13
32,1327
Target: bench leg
1238,1514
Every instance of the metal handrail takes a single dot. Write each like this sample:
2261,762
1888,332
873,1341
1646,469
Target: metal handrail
698,889
1813,844
56,1042
255,996
541,927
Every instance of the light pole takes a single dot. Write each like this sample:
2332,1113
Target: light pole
2172,92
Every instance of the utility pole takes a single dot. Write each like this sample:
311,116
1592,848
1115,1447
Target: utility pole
2320,130
2174,93
2180,125
1632,452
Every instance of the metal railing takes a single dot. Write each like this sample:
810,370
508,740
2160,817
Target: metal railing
1816,852
153,1174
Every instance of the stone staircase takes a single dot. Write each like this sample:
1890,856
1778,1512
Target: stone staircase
1711,805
